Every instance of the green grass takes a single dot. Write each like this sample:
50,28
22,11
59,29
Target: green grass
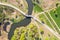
43,18
37,8
16,20
56,12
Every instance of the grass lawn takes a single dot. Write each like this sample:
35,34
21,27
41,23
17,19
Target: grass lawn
56,15
43,19
37,8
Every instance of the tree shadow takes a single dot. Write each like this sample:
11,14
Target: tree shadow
23,22
5,25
